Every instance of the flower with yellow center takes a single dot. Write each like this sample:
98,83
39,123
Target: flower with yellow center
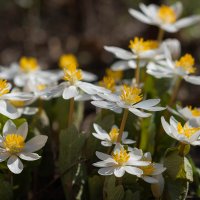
41,87
187,134
110,138
4,87
109,83
121,157
186,62
17,103
131,95
72,74
28,64
138,45
13,143
164,17
67,59
121,161
166,14
148,170
14,147
116,75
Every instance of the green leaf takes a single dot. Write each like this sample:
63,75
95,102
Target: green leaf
111,190
71,144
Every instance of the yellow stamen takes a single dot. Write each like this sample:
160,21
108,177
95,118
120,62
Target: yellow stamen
138,45
186,130
4,87
66,60
195,111
14,143
17,104
121,157
116,75
186,62
148,170
108,83
114,134
28,64
167,14
131,95
71,74
41,87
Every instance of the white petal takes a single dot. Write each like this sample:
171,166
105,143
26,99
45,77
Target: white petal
102,156
101,136
29,156
15,165
98,129
133,170
70,92
166,126
138,15
120,65
4,156
9,127
178,8
87,76
35,143
128,141
157,189
23,130
106,143
139,113
147,103
119,171
192,79
150,179
187,21
106,171
120,53
8,110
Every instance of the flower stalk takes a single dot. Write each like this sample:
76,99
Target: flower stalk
160,35
175,91
71,111
137,72
181,149
123,122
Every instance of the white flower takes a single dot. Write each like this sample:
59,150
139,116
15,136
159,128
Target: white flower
73,87
188,134
165,17
13,146
168,68
187,113
130,99
6,99
108,139
121,161
9,72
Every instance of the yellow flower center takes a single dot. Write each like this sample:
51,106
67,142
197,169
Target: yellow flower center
186,130
116,75
71,74
138,45
114,134
121,157
131,95
167,14
108,83
28,64
17,104
195,111
186,62
148,170
41,87
14,143
4,87
66,60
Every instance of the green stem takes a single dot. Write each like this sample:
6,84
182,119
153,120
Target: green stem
123,122
137,72
182,148
160,35
175,91
71,111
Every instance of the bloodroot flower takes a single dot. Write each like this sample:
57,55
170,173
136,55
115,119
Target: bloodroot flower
13,146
